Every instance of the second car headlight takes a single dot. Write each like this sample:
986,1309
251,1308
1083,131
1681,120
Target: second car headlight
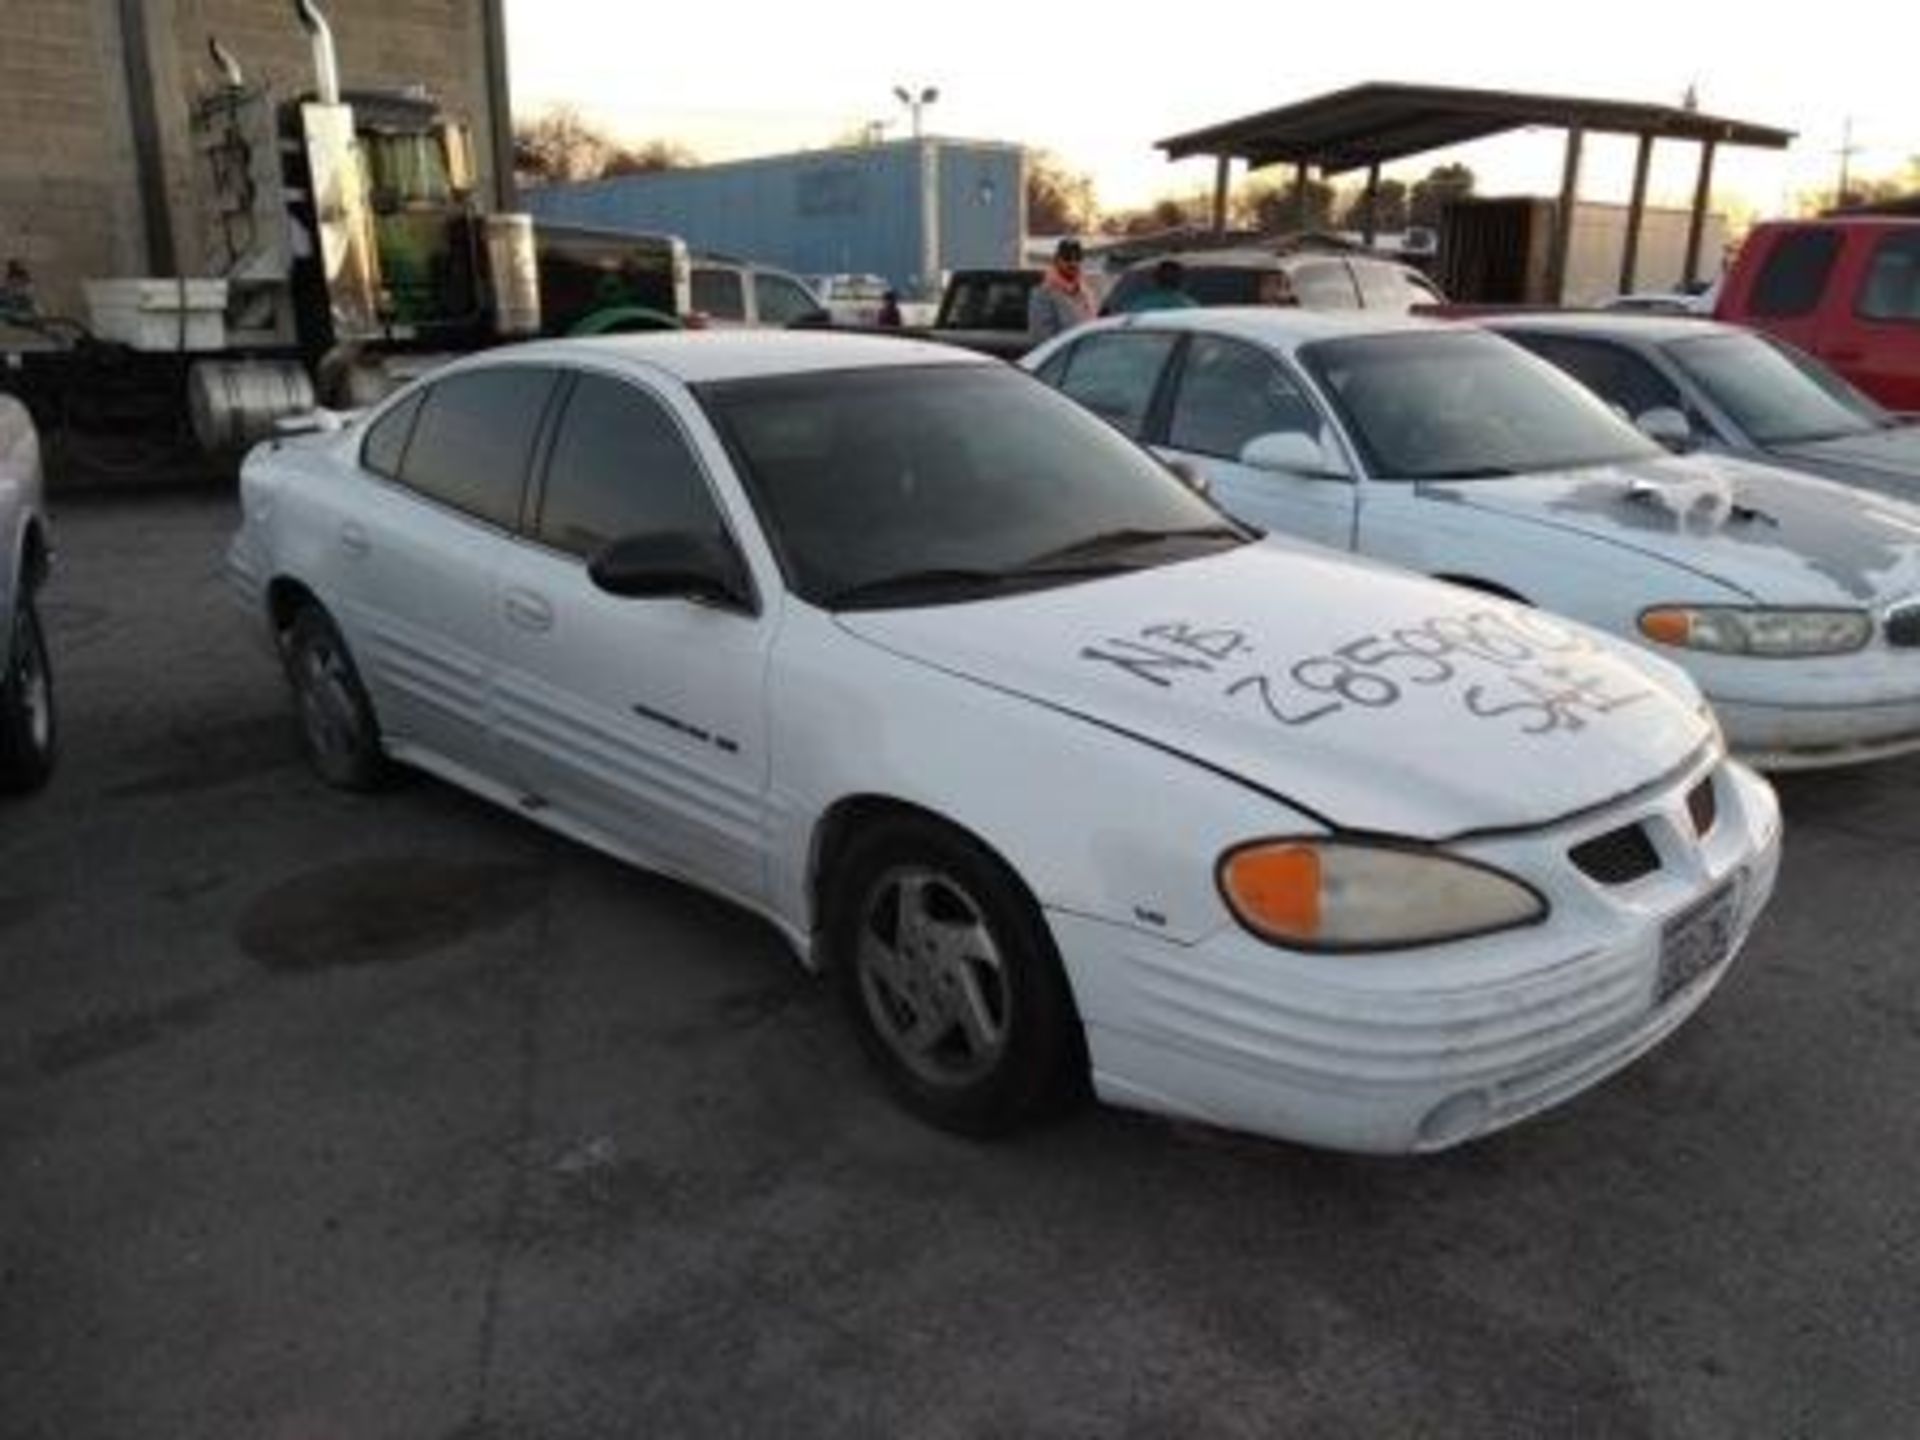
1770,633
1356,895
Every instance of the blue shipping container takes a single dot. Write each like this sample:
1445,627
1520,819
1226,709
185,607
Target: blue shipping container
894,209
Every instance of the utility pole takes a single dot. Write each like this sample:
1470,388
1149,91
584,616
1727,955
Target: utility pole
1847,151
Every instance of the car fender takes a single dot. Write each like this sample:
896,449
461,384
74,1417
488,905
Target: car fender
989,761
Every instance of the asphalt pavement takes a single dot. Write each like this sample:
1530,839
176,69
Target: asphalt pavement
330,1116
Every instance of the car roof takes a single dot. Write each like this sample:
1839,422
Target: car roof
1250,259
696,357
1613,325
1283,327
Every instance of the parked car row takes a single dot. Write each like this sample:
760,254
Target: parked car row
1794,603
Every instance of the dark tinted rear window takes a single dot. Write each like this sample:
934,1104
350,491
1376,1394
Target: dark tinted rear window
1795,273
474,438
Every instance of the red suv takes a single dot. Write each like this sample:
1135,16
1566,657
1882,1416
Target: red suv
1845,288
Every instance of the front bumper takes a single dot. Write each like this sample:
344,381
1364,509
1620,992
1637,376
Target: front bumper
1423,1049
1809,737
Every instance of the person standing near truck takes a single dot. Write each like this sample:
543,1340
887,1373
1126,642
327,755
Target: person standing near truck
1061,300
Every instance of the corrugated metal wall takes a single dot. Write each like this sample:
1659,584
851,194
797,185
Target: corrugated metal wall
856,210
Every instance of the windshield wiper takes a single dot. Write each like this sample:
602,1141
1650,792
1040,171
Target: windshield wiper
1470,472
907,584
1130,537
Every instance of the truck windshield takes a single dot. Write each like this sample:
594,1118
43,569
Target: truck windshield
1777,395
405,170
1445,405
925,484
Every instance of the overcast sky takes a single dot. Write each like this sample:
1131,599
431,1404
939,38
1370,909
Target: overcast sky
1098,89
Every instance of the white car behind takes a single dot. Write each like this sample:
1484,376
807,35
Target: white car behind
1794,603
1062,775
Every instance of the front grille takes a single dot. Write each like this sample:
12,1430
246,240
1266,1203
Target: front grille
1616,857
1704,807
1903,626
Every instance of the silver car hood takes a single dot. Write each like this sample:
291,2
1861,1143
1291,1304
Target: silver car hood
1886,460
1781,538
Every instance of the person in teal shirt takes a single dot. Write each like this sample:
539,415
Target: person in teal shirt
1168,291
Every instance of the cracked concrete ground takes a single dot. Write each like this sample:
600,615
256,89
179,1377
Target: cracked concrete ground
323,1116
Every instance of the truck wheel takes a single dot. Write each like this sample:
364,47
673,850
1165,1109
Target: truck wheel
950,979
28,733
337,724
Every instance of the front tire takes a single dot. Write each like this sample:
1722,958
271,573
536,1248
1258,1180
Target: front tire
950,979
337,725
29,733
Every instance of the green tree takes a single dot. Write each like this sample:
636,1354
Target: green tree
1430,197
1274,209
1390,211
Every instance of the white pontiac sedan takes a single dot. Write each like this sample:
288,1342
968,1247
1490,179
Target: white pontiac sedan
1794,602
1062,774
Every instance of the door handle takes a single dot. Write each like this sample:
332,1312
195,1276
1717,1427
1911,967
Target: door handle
354,540
528,610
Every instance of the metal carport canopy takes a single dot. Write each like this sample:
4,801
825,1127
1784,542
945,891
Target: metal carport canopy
1371,124
1363,127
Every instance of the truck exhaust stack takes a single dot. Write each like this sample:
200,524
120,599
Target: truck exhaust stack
326,63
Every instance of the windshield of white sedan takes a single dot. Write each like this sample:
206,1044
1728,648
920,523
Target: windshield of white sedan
1777,397
917,485
1435,405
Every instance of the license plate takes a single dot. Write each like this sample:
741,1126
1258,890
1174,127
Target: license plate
1697,940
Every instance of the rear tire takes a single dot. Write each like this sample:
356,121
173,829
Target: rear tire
950,979
29,733
337,725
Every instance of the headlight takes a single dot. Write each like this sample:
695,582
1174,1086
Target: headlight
1734,630
1351,895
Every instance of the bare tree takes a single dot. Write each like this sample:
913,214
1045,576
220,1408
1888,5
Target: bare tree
1059,201
648,159
561,144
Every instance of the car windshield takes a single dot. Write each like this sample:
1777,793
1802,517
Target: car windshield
1778,396
1458,405
924,484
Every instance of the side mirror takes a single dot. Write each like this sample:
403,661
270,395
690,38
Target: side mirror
1189,475
673,565
1293,452
1666,425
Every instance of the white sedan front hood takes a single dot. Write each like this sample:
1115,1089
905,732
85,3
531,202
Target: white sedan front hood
1783,538
1376,700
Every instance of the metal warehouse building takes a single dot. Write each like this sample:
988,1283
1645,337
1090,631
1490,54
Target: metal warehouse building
907,209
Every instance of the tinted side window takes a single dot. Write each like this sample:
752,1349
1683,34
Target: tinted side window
474,437
1795,273
780,302
718,293
1210,285
1615,374
620,467
1115,376
1230,393
387,438
1892,289
1054,372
